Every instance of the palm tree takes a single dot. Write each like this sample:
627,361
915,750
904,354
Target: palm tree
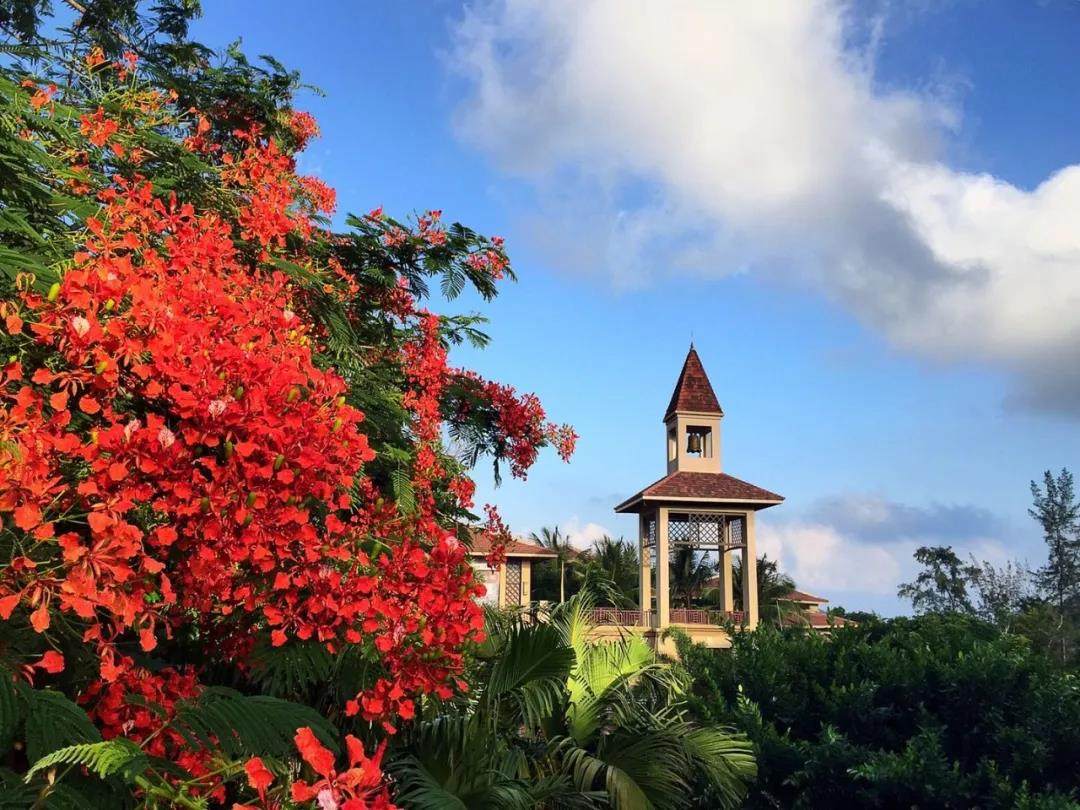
611,569
689,575
555,541
558,720
773,584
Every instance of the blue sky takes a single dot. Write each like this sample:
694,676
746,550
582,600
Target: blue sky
847,206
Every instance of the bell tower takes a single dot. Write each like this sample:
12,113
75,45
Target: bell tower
692,421
699,509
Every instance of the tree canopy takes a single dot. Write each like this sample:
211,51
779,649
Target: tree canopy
233,536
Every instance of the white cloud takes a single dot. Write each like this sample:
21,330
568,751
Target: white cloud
863,544
709,138
582,535
819,558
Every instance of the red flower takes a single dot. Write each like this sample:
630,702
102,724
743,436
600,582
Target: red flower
360,787
259,776
97,128
52,662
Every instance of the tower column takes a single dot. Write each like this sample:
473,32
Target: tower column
749,583
645,567
727,593
663,569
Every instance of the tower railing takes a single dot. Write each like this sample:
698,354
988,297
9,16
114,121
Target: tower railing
633,617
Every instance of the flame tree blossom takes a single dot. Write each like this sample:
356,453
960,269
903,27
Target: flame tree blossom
221,425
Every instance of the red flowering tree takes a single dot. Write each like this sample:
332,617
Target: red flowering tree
230,528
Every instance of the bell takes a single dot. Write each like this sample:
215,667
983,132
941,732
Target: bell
693,443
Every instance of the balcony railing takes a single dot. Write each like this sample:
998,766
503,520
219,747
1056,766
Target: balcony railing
696,616
623,618
644,618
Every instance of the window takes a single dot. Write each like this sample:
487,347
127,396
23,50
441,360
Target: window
491,582
672,445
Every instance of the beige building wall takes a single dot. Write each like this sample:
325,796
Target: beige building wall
678,426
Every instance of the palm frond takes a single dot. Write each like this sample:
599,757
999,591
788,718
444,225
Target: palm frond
531,669
725,757
457,761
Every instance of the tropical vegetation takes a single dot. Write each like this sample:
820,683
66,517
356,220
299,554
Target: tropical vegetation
975,702
942,710
232,548
559,719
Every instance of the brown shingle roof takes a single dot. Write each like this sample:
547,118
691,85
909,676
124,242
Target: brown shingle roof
705,486
802,596
481,546
693,391
819,620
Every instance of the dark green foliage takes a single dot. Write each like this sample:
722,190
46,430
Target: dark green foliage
552,581
773,584
612,569
241,726
936,711
941,585
52,722
690,571
1057,511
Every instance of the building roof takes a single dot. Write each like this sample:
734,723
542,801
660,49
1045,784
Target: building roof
802,596
819,620
693,392
481,547
701,486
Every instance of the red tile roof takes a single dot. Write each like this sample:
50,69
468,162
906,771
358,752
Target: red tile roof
802,596
481,546
819,620
704,486
693,391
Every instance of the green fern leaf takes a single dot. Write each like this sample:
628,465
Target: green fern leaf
402,487
53,722
292,668
119,756
239,725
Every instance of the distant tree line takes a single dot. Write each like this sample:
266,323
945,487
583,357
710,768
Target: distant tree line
1042,604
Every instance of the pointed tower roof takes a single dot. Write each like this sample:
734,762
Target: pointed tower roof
693,392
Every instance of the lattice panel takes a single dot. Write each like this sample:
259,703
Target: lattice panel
695,530
650,532
737,535
513,582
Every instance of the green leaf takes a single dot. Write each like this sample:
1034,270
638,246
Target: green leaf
239,725
532,668
292,668
53,722
11,710
102,758
401,484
